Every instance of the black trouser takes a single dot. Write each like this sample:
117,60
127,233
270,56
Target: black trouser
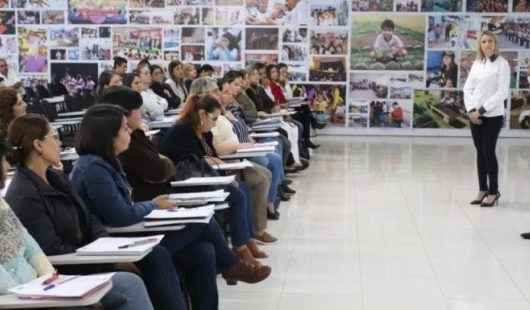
485,139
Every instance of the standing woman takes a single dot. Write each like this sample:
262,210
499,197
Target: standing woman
485,91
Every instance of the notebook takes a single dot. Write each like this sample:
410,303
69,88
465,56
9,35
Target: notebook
205,181
265,135
108,246
198,195
268,148
238,165
162,223
180,213
68,287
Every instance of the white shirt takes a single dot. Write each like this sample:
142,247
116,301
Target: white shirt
487,86
223,132
154,105
9,80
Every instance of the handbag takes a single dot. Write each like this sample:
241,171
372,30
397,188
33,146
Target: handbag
193,166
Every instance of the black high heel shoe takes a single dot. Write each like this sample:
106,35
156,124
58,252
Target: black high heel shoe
479,201
273,215
494,202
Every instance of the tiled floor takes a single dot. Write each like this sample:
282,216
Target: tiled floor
384,224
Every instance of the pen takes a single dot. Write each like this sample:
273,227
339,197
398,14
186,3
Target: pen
137,243
52,278
49,287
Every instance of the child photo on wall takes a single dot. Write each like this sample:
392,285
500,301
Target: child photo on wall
223,44
387,42
442,69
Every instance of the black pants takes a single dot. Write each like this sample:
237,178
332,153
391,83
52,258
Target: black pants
485,139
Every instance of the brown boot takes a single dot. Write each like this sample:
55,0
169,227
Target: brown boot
241,271
246,256
254,249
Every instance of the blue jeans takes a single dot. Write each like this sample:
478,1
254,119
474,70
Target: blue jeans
128,293
274,163
162,280
239,220
246,192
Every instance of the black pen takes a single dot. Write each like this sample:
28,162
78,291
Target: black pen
137,243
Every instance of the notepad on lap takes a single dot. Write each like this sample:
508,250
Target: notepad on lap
265,135
257,149
68,287
180,213
197,195
238,165
111,246
205,181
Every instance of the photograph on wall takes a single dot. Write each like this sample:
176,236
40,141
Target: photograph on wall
32,50
104,32
524,70
327,69
198,2
139,17
520,6
162,17
28,17
232,66
52,17
520,110
229,2
171,55
229,16
407,5
99,49
358,113
63,37
192,53
452,31
187,16
76,77
58,54
399,86
39,4
512,32
223,44
490,6
193,35
416,80
442,69
7,22
368,85
208,16
294,35
441,5
468,57
151,17
439,109
173,3
329,42
97,11
276,12
297,73
136,43
8,46
11,59
390,114
252,58
329,13
328,102
73,54
294,53
139,4
261,38
171,38
381,42
34,81
371,5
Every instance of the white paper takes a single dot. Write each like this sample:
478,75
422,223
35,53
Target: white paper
204,181
257,149
110,246
198,195
160,223
75,287
181,213
265,135
263,144
238,165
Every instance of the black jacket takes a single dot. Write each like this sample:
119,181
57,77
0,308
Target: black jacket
147,172
164,91
52,213
181,141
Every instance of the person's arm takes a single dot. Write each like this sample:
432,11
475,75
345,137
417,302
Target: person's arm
470,100
224,139
32,213
108,203
35,256
503,88
6,281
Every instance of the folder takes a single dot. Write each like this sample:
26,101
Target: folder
108,246
67,287
205,181
180,213
255,149
238,165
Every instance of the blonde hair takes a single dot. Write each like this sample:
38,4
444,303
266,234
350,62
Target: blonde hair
480,53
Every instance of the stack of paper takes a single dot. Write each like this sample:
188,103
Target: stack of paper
268,121
67,287
209,196
265,135
238,165
179,216
106,246
205,181
263,144
257,149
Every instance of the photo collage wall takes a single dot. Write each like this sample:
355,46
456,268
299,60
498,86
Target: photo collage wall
397,64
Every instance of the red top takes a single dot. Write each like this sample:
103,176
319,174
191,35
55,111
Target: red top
277,92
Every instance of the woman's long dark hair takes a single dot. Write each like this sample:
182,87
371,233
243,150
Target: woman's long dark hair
195,103
99,128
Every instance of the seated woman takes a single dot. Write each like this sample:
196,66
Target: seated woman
161,88
191,135
11,107
176,80
22,259
133,81
199,250
154,105
107,79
